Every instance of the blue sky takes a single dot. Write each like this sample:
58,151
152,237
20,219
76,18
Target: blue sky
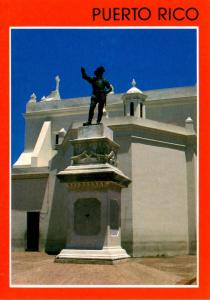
156,58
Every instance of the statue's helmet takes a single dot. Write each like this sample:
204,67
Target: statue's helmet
99,71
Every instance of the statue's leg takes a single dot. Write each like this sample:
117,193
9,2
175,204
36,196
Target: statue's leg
92,108
91,111
100,108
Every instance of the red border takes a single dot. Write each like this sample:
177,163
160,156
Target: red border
78,13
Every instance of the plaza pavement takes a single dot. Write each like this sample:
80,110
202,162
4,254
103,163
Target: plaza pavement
38,268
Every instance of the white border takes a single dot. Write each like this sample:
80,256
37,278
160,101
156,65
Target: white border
197,173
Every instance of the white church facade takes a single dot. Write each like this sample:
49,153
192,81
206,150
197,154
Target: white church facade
156,134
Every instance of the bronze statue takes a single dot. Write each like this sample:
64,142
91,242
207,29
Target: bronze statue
101,87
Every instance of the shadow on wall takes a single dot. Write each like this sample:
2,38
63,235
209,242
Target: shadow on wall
58,218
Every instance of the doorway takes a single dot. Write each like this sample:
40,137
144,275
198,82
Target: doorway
33,230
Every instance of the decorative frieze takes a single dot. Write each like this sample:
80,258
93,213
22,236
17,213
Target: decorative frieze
96,150
92,157
93,185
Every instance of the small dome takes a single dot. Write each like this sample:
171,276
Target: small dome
134,89
189,120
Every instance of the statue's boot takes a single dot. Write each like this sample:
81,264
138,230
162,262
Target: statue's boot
87,123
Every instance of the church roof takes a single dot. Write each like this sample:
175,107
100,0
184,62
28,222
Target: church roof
152,95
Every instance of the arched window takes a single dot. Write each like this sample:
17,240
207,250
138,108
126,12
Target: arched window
131,109
141,110
57,139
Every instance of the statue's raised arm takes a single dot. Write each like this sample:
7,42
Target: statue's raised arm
100,88
85,76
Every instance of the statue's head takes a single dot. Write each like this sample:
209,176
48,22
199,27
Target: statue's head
99,71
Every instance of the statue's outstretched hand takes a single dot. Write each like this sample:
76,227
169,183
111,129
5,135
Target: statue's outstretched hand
84,75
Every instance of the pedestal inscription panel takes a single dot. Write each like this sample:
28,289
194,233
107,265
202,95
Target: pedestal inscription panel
87,216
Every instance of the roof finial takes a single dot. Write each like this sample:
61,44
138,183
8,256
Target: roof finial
54,95
33,98
189,125
134,89
133,82
57,79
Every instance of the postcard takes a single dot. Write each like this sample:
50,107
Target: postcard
104,153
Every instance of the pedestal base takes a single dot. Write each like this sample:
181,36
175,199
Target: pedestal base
107,255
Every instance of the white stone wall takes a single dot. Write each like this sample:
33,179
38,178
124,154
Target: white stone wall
18,230
172,113
160,212
125,165
29,193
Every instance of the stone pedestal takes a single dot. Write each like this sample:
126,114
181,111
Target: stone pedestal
95,184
